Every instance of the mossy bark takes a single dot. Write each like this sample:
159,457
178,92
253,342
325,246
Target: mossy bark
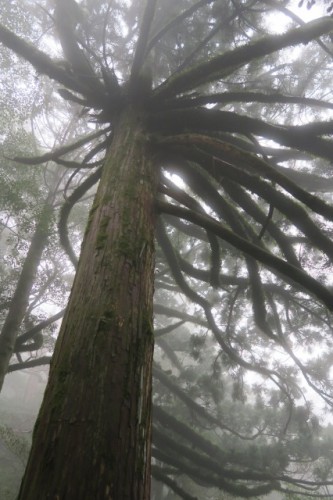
92,437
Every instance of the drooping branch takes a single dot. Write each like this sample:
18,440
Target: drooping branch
249,165
168,352
210,464
159,475
308,181
186,228
24,337
70,164
46,66
225,280
290,273
239,195
207,471
199,183
57,153
43,360
36,343
173,313
160,332
212,121
176,193
276,154
69,96
229,350
239,225
169,253
198,410
217,480
201,186
219,169
287,296
305,494
176,429
293,211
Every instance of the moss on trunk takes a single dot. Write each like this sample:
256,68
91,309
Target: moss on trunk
92,437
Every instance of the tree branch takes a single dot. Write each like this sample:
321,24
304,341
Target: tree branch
21,339
291,273
209,121
55,154
221,66
66,209
247,97
45,65
141,45
44,360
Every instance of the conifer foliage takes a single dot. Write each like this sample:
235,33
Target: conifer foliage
211,133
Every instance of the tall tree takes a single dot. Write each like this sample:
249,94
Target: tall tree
166,83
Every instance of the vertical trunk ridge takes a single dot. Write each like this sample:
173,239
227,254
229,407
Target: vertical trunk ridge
99,394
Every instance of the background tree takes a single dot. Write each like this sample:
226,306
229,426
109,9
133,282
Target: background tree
176,90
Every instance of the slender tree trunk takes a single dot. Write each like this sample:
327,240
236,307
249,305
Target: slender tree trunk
20,300
92,437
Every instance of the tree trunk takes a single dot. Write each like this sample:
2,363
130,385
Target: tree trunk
20,299
92,436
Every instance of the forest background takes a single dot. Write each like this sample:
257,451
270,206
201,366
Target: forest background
237,100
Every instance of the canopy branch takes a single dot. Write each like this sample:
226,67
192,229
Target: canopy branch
141,46
209,121
175,21
223,65
253,165
246,97
47,66
56,153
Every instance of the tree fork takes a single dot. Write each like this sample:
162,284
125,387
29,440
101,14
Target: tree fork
93,433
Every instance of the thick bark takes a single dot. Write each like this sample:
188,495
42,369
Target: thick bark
20,300
92,436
